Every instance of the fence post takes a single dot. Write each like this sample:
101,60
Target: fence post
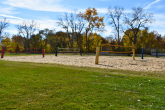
2,53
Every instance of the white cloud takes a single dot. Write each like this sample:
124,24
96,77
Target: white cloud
13,31
151,4
102,10
9,16
7,10
44,23
159,16
159,26
15,21
48,23
159,21
39,5
108,31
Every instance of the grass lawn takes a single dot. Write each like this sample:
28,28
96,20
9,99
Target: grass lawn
54,87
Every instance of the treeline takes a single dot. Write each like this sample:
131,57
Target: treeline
145,39
59,39
81,31
52,40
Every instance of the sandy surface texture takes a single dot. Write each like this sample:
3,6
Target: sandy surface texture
111,62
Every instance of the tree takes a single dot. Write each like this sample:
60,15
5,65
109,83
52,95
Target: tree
62,39
19,40
109,39
6,42
115,14
145,39
17,48
135,21
93,22
36,41
53,42
3,25
73,24
46,33
77,25
95,41
27,29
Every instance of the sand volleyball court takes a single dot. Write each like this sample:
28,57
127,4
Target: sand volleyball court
111,62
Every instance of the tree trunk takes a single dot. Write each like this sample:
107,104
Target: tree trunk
69,40
86,39
118,34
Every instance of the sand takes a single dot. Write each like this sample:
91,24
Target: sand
110,62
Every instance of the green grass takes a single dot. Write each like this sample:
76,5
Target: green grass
55,87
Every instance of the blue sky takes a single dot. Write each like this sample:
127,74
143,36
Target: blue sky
45,12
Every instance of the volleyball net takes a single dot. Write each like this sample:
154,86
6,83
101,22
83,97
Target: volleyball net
68,50
119,49
22,50
116,48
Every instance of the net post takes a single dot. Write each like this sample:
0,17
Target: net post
156,52
43,52
142,52
2,53
56,52
80,52
97,55
133,52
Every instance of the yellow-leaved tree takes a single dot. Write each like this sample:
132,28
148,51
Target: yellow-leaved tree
95,40
7,44
94,22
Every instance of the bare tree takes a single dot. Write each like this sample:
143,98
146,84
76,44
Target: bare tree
80,27
109,39
64,23
135,21
73,24
76,25
115,14
27,29
4,23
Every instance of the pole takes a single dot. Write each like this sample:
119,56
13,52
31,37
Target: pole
133,52
97,55
56,52
142,52
2,53
156,52
80,52
43,52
